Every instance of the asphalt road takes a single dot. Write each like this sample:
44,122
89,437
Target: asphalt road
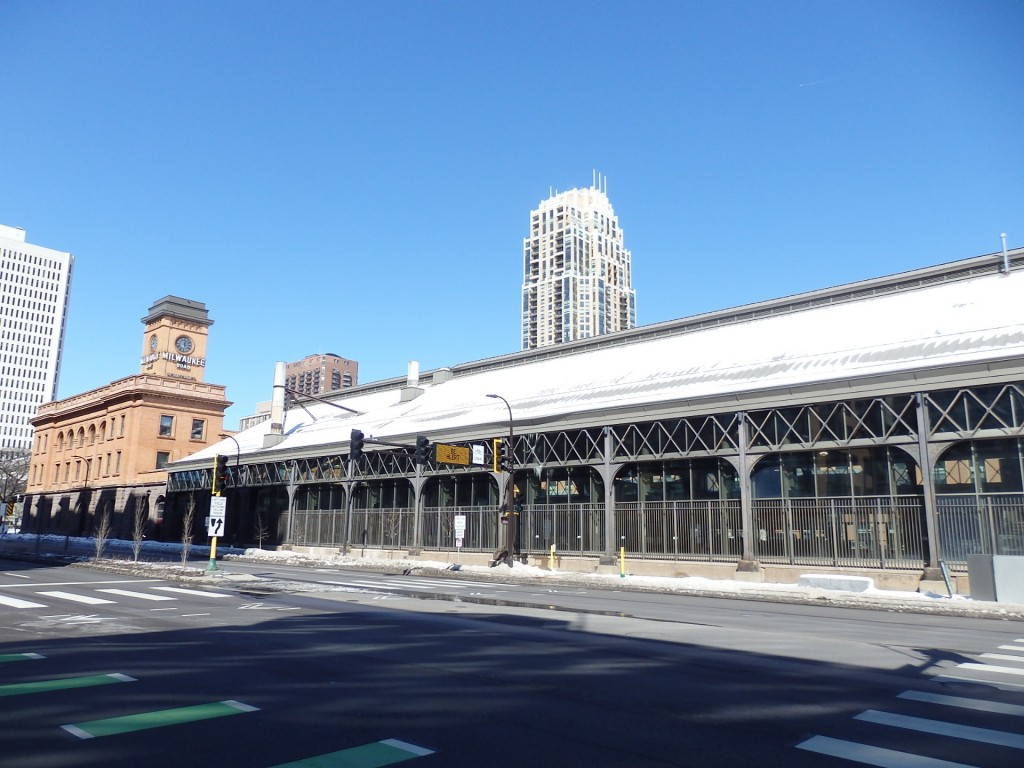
465,672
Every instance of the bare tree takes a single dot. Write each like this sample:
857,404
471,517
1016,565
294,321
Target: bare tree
139,526
102,532
13,473
262,532
187,521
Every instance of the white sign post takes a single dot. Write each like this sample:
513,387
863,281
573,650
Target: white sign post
218,510
460,532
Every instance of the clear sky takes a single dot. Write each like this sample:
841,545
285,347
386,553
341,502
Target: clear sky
357,177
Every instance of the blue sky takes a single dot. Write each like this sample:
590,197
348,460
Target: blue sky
357,177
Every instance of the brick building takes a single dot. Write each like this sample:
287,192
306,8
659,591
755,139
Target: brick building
106,450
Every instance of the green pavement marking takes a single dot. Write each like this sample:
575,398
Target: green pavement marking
4,657
128,723
387,752
62,684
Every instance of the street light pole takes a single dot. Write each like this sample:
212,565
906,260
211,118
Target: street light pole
513,520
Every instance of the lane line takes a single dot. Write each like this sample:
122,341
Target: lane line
199,592
76,598
139,595
862,753
63,684
145,720
943,728
963,702
13,602
17,575
379,753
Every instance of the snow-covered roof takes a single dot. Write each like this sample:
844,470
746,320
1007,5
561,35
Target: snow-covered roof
952,323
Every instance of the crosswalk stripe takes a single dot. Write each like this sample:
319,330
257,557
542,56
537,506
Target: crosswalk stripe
963,702
139,595
145,720
978,681
943,728
63,684
379,753
1002,657
991,668
868,755
1011,647
199,592
13,602
87,599
5,657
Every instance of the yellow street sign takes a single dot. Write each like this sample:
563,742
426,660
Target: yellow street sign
452,454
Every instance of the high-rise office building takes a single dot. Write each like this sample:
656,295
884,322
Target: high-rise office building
35,284
577,274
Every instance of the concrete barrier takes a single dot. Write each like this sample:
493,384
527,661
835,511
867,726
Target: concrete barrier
837,581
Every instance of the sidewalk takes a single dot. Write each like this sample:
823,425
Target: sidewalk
163,559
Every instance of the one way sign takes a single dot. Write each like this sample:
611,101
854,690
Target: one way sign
215,522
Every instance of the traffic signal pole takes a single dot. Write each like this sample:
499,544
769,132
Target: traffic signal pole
510,510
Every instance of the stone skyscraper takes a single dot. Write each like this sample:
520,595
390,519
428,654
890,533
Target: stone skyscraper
577,274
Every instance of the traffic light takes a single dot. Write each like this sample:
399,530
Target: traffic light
355,445
422,450
499,459
220,474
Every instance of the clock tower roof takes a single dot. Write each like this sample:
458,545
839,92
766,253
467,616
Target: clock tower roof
177,307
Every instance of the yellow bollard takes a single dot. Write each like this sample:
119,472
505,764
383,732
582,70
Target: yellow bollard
551,559
622,562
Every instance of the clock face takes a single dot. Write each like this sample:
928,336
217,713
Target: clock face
152,343
183,344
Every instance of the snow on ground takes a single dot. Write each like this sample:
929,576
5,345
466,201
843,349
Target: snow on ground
121,551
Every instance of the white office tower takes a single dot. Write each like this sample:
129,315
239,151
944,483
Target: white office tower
34,286
577,274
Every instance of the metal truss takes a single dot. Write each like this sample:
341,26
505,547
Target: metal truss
881,420
698,436
956,414
964,413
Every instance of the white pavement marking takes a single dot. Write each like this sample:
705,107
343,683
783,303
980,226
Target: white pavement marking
139,595
16,575
1002,657
406,746
991,668
87,599
13,602
978,681
943,728
868,755
200,592
1011,647
980,705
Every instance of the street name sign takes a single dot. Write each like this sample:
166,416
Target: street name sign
452,454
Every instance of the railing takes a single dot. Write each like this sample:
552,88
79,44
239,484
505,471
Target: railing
390,528
871,532
874,532
988,524
571,528
481,532
691,530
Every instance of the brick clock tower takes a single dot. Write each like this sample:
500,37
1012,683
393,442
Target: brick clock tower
174,342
